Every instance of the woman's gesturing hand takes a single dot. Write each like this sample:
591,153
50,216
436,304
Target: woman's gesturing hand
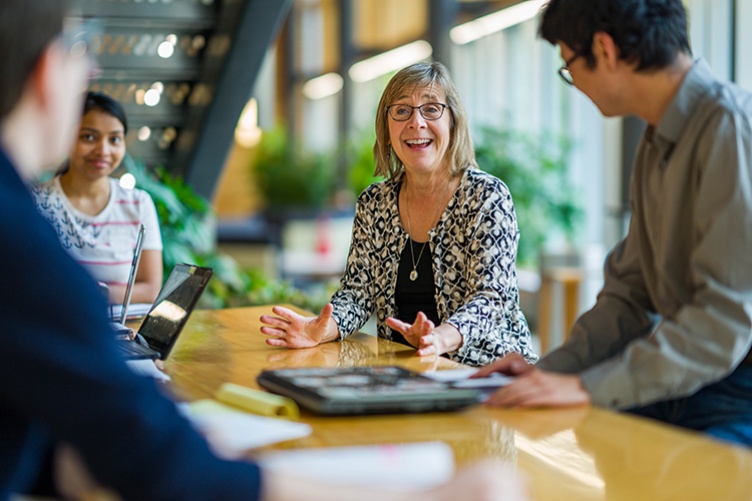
428,339
412,332
288,329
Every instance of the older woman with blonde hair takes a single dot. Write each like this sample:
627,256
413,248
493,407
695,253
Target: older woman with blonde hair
434,245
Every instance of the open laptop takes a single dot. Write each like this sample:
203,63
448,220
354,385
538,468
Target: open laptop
174,304
366,390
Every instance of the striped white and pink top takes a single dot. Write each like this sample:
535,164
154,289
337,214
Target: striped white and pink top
104,243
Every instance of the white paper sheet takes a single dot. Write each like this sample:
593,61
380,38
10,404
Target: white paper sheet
135,310
409,466
231,432
459,378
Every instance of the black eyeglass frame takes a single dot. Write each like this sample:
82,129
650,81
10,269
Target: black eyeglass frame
412,110
81,36
564,72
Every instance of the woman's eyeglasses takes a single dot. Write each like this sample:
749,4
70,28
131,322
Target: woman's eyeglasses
403,112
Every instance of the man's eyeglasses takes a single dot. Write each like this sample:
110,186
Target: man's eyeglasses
80,38
403,112
564,72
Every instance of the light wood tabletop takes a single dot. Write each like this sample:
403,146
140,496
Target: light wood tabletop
577,453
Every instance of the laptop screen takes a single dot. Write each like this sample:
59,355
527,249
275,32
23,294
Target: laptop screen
173,306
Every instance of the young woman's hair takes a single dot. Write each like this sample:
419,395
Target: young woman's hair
430,74
103,102
650,33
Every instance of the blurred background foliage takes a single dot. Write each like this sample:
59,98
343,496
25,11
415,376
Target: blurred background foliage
187,224
290,178
534,168
360,174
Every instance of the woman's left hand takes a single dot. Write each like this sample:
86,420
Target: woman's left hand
428,339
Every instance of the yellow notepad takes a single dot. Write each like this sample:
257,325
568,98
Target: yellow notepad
253,401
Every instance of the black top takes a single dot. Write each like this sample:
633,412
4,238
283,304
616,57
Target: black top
411,297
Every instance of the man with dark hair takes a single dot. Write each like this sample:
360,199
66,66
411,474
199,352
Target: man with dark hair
670,334
63,379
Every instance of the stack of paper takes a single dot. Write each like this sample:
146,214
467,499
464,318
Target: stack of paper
231,423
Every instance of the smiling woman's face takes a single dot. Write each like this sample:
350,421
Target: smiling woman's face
421,144
99,147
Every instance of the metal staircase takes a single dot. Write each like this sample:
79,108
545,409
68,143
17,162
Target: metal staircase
183,69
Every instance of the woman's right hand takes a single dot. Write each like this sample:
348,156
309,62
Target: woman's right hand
288,329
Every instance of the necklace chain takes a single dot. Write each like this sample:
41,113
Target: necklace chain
414,273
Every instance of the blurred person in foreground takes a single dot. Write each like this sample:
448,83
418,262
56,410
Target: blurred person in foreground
669,337
62,379
433,246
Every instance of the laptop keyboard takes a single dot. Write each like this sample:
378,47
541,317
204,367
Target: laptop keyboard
131,349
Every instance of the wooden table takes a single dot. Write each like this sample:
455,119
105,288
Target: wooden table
570,454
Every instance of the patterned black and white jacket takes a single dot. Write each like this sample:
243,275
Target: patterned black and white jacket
473,249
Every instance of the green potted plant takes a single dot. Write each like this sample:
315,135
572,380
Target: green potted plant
290,179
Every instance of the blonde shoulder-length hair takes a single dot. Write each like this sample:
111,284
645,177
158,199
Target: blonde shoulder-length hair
433,75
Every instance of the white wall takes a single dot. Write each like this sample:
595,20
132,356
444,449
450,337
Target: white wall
710,33
743,59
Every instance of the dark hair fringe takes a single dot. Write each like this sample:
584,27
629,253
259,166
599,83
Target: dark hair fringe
650,33
101,101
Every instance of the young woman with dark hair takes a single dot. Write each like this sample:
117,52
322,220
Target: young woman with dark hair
95,218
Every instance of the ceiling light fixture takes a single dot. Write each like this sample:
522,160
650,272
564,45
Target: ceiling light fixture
323,86
493,23
391,60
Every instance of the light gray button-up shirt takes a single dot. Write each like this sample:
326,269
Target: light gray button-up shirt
675,313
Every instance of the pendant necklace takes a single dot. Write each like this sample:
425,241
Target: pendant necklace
414,273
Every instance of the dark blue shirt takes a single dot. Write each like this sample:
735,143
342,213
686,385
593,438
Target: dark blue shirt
62,379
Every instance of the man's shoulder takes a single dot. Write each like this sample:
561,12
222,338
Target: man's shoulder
733,99
724,113
706,110
722,97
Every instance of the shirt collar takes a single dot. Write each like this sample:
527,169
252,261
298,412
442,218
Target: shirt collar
695,85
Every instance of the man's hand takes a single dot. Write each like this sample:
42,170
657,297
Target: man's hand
537,388
513,364
533,387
